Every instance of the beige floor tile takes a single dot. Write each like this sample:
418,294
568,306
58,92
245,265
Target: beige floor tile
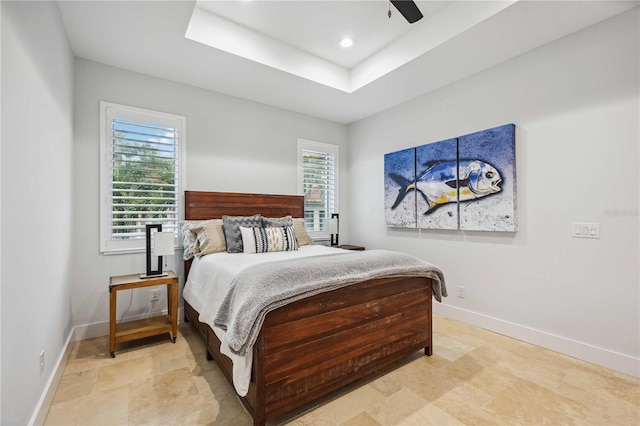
362,419
436,361
430,415
423,379
88,355
346,407
228,414
526,403
588,376
489,355
386,385
449,347
612,398
398,408
464,368
613,411
98,408
213,386
318,416
472,395
537,365
124,372
475,377
492,379
163,398
604,408
76,385
465,411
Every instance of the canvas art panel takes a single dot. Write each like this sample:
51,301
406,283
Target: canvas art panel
466,183
436,188
399,174
487,165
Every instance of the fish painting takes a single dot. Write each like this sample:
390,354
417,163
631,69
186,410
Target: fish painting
434,185
451,181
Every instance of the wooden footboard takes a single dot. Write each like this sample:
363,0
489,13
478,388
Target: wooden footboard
314,346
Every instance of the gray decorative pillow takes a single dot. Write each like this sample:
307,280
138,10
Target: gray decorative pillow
232,233
270,222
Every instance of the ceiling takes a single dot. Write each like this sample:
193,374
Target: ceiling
317,26
286,53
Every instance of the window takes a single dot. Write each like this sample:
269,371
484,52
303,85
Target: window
318,181
140,174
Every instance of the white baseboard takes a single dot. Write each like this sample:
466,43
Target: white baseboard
613,360
44,403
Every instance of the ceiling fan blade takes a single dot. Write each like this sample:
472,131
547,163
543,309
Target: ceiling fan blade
408,9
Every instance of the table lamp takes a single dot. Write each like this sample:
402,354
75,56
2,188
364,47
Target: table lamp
334,227
162,244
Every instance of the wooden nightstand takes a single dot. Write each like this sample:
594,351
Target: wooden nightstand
145,327
351,247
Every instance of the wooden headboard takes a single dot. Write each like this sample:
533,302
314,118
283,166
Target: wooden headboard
199,205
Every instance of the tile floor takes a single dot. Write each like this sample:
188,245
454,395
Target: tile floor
474,377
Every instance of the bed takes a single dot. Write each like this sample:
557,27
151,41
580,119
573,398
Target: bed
313,346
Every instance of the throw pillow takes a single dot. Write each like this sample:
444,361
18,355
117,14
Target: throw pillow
210,237
263,240
232,233
301,232
268,222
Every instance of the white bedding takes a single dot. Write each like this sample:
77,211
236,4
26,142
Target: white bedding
209,279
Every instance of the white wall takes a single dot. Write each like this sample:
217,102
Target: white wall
36,177
232,145
575,106
0,209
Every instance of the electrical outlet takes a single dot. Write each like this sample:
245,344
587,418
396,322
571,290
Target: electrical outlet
41,362
155,294
461,292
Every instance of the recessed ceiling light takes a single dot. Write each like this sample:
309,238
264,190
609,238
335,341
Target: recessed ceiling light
346,42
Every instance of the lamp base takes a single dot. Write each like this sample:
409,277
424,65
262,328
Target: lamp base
163,274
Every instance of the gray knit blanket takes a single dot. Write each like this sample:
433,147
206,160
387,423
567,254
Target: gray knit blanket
261,288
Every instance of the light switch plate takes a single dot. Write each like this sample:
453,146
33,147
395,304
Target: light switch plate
585,230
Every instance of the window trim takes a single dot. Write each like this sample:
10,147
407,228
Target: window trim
109,109
310,145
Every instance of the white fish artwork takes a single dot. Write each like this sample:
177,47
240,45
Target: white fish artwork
446,182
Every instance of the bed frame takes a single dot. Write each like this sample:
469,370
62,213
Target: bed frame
314,346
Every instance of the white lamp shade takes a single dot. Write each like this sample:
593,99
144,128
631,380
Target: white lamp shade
333,226
163,244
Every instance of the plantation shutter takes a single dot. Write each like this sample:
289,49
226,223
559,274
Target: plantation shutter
319,188
142,186
145,167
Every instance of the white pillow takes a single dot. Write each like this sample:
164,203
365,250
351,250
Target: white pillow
262,240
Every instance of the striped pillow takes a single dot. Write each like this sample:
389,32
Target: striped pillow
262,240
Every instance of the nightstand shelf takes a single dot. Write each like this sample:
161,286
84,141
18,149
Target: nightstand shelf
138,329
